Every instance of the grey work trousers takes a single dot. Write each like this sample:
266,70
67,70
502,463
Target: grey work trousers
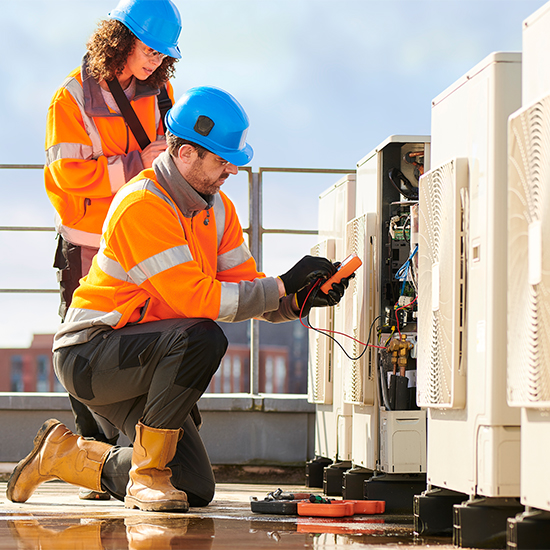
154,372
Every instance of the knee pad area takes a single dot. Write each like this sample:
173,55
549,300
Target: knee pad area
214,340
206,347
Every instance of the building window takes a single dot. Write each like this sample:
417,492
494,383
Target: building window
232,375
274,372
16,373
42,373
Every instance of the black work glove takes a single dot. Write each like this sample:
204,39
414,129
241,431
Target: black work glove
317,298
308,269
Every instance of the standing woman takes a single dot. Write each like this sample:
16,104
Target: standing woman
92,149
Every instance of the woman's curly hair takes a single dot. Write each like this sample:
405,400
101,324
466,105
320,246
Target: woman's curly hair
108,50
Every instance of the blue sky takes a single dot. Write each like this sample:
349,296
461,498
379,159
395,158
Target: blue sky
323,82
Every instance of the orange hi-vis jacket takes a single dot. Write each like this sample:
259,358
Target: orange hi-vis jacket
91,153
166,253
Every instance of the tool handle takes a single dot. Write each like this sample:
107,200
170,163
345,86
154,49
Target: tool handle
346,268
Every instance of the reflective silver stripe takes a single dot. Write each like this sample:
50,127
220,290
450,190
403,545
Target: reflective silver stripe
229,302
233,258
112,267
219,212
116,172
68,151
74,87
147,268
160,262
76,236
80,318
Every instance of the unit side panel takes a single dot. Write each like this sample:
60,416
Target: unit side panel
321,357
359,307
529,257
441,358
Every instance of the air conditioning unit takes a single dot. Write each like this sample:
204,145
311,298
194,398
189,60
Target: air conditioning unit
529,287
473,435
441,379
381,235
529,282
332,415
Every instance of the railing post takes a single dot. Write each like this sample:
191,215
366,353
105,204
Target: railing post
255,216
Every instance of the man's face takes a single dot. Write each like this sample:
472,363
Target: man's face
206,175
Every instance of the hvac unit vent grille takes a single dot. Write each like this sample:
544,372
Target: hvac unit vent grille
320,361
441,263
528,256
358,304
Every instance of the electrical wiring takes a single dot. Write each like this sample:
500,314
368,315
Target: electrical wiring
400,308
398,227
328,333
407,220
402,274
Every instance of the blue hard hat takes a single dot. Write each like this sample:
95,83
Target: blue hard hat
214,119
157,23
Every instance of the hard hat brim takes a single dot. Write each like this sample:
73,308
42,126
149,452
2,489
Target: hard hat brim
238,158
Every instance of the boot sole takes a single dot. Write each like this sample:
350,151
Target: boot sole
165,506
39,438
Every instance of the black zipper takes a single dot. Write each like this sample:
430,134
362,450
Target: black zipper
127,138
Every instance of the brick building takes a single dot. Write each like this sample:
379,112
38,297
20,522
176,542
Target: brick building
29,369
283,362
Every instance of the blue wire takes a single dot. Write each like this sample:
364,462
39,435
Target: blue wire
403,272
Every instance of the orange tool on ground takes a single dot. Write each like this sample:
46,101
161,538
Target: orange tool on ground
340,508
336,509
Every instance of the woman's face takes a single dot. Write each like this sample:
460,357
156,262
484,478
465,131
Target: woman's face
141,63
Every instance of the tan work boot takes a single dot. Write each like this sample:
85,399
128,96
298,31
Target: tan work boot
150,487
58,454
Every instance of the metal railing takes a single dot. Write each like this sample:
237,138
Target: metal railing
27,228
255,232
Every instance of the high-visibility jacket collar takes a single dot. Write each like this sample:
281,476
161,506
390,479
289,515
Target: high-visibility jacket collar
94,103
189,201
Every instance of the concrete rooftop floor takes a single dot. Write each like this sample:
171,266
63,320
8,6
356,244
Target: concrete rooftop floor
55,519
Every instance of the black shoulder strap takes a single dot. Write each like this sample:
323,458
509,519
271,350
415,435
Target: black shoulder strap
165,104
128,113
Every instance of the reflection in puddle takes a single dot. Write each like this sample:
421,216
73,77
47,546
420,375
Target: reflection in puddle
158,532
132,533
